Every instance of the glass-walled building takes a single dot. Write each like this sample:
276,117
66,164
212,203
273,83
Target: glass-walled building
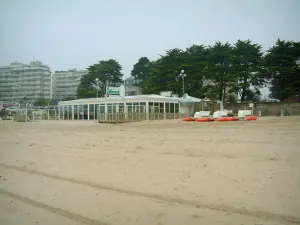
90,109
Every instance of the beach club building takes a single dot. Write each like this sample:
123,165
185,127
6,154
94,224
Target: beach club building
139,107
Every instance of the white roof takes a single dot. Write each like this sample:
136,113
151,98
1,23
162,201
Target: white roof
134,98
191,99
187,98
120,99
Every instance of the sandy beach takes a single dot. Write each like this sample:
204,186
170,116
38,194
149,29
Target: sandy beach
160,172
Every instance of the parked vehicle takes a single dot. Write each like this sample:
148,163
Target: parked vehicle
12,109
274,100
5,115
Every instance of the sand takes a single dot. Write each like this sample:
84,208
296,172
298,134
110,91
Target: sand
159,172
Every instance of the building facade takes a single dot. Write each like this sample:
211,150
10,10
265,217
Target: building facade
25,82
130,87
65,83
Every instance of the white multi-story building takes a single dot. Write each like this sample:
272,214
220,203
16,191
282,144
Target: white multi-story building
65,83
25,82
130,87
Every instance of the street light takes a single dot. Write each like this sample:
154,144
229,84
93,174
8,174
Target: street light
182,75
107,88
96,85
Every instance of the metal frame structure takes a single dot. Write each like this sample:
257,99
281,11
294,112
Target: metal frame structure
148,105
32,114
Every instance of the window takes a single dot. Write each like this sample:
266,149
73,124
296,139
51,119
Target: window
129,107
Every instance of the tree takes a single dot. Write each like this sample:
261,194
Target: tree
252,95
141,71
219,69
282,67
68,98
42,102
165,73
247,62
54,101
231,98
109,74
194,63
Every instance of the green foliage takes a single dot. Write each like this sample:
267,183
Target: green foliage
195,64
68,98
213,72
252,95
54,101
109,74
42,102
141,71
231,99
282,68
249,95
164,73
247,65
220,70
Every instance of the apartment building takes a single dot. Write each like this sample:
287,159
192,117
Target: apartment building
130,87
65,83
25,82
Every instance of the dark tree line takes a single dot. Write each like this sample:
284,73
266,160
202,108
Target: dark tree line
224,71
221,71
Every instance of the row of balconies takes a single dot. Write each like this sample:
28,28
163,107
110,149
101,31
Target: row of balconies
65,87
64,92
23,92
25,86
29,71
25,81
22,96
64,84
74,83
37,76
26,96
26,76
20,82
66,81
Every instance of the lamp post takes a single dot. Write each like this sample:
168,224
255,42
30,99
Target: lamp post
106,88
96,85
182,75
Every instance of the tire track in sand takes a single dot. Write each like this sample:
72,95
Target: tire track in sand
169,199
59,211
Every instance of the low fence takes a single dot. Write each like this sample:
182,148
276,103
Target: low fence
134,117
268,109
25,115
276,109
260,109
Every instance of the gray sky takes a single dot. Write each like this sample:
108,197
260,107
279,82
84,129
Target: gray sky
77,33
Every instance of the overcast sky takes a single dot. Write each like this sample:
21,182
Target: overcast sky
77,33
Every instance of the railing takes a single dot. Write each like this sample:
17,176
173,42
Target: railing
25,115
133,117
